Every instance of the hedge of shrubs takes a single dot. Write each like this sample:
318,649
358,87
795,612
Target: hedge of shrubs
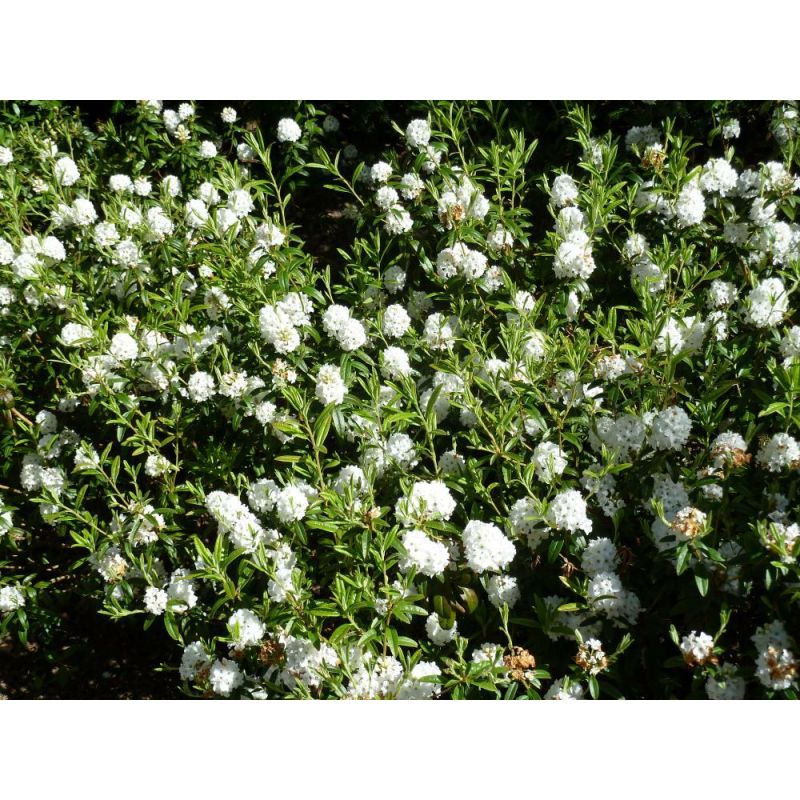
507,408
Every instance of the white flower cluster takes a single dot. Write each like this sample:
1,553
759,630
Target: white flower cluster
428,500
567,512
549,461
776,665
344,328
486,548
461,200
385,678
670,429
697,648
11,598
767,304
426,556
235,520
780,452
605,591
279,322
460,260
330,386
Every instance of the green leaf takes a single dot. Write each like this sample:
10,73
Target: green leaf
445,611
323,425
702,584
683,559
469,598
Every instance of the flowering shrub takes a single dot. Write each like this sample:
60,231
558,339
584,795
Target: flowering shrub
525,426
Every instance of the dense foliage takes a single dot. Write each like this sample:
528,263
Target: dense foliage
502,402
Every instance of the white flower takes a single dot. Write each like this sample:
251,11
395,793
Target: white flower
500,238
240,203
721,294
291,504
411,186
74,334
159,224
330,386
460,201
557,691
731,129
567,511
719,177
436,633
196,213
780,452
246,628
776,666
105,234
350,479
244,152
208,149
386,197
574,257
172,185
180,592
424,554
767,303
418,133
395,363
6,252
277,329
228,115
124,347
201,387
486,548
11,599
401,451
396,321
671,429
155,600
194,661
398,220
564,191
790,344
288,130
428,500
460,260
142,187
726,685
549,460
270,235
236,520
681,335
83,212
600,555
604,592
688,523
66,171
156,465
697,648
440,331
225,676
642,137
690,206
380,172
502,589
